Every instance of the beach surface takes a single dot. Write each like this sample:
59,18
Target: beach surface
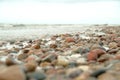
22,32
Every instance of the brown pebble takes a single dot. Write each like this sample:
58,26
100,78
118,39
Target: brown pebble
107,76
94,54
45,64
12,73
10,61
30,66
112,45
36,46
53,46
70,39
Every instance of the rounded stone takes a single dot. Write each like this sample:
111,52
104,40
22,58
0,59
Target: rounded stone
53,45
37,75
10,61
70,39
74,72
45,64
94,54
112,45
30,66
107,76
22,56
36,46
61,60
12,73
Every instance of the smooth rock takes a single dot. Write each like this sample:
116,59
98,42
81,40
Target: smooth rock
22,56
45,64
10,61
53,45
49,57
74,72
36,46
81,61
30,66
61,60
84,67
94,54
112,45
31,58
107,76
37,75
70,39
12,73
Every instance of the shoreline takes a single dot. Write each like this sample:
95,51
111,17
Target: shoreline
35,31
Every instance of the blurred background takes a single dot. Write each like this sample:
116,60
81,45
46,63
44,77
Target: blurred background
60,11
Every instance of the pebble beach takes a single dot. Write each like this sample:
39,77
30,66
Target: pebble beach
62,52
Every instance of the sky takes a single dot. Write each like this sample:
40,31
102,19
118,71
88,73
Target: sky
60,11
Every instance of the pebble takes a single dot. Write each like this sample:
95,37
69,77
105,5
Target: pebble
107,76
10,61
70,39
73,73
89,55
84,67
30,66
50,57
12,73
112,45
62,61
36,46
22,56
45,64
94,54
81,61
37,75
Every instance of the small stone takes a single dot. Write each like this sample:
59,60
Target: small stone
118,52
53,46
50,57
22,56
81,50
26,50
12,73
70,39
3,53
98,72
116,66
104,57
37,75
81,61
107,76
83,76
72,65
84,67
117,57
31,58
95,46
45,64
36,46
117,39
73,73
113,51
61,60
30,66
112,45
94,54
10,61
